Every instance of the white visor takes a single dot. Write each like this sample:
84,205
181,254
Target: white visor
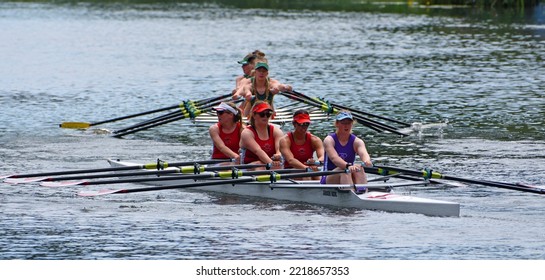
223,106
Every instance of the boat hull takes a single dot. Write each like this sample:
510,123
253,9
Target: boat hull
329,195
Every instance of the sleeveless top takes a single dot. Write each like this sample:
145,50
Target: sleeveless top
268,146
346,152
300,152
267,96
231,140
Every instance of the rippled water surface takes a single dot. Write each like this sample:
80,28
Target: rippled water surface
85,62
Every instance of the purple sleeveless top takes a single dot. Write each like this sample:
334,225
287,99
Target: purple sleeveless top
346,152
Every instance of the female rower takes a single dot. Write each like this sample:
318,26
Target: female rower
248,64
259,87
259,142
298,147
341,149
226,132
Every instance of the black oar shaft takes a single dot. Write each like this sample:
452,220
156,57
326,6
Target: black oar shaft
185,170
120,168
356,111
193,185
174,117
436,175
154,120
377,126
135,115
271,176
224,174
177,113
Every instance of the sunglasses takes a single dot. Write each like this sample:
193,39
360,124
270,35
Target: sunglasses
267,114
221,112
303,124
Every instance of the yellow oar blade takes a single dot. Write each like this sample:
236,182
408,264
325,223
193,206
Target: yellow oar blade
75,125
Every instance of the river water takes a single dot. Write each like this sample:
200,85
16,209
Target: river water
91,62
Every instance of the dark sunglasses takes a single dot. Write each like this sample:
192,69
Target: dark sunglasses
267,114
303,124
221,112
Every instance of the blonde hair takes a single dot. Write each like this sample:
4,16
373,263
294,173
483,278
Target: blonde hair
258,54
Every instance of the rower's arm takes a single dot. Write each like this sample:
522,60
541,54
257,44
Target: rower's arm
285,150
219,144
248,142
361,150
318,147
329,147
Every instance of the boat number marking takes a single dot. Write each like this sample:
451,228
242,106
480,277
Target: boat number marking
330,193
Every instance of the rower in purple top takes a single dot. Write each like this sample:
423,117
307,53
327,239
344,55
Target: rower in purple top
341,149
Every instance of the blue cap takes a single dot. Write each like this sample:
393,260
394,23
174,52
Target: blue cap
344,115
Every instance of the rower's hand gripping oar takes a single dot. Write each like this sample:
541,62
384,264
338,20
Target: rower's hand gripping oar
271,176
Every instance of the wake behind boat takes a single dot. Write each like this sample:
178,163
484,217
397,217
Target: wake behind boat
378,197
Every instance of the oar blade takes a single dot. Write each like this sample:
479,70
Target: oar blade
98,193
15,181
62,184
75,125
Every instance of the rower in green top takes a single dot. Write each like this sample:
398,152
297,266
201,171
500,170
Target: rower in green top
259,87
247,64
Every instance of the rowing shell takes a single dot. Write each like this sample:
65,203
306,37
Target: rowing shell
330,195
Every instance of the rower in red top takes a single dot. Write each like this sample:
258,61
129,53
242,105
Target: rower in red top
299,146
259,141
226,132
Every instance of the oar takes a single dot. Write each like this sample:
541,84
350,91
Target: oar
327,107
436,175
85,125
358,111
192,113
235,173
380,127
157,165
272,177
358,188
158,119
185,109
374,170
197,169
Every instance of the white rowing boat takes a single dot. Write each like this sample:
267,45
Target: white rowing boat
330,195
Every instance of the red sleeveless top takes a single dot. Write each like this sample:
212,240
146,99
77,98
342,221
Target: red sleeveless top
300,152
231,140
268,146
